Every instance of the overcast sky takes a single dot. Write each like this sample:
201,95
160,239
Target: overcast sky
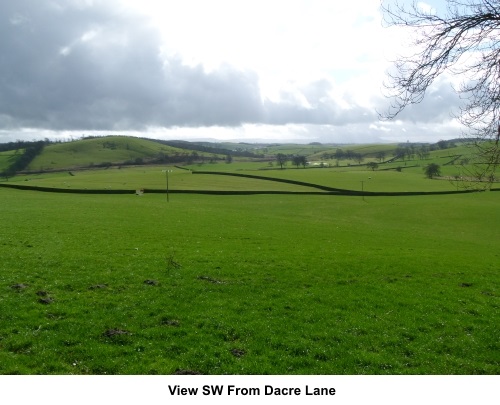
259,70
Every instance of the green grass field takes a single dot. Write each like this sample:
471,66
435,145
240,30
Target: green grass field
151,177
261,284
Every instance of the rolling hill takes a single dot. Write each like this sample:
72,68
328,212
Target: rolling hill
110,151
99,152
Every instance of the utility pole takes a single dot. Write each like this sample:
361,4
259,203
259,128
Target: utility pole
167,188
167,172
362,190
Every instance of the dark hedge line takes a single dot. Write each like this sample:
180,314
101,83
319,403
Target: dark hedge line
239,192
65,190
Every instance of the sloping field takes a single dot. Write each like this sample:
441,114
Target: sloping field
391,181
152,178
114,149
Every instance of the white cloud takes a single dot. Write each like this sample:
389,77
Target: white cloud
293,41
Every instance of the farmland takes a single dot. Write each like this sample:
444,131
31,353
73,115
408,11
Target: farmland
247,284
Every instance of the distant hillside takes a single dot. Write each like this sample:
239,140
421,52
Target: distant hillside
94,151
107,151
224,148
125,150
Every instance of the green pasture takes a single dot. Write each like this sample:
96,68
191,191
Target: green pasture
150,177
261,284
410,179
154,177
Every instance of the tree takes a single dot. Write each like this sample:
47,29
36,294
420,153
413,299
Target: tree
22,161
442,144
423,152
299,160
281,159
358,157
339,154
464,41
432,170
372,165
380,156
400,153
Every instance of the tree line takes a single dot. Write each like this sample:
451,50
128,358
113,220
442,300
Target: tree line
22,161
407,151
194,146
297,160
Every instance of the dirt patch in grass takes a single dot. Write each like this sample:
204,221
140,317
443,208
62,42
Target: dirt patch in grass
238,352
186,372
170,322
115,332
44,297
210,280
19,287
98,286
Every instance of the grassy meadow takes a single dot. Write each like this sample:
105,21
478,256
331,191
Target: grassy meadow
245,284
259,284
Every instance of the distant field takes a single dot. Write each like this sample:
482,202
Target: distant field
347,172
125,284
153,177
410,179
150,177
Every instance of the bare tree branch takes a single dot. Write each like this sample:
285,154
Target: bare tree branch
464,41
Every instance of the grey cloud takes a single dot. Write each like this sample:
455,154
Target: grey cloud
87,65
317,107
77,67
440,103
